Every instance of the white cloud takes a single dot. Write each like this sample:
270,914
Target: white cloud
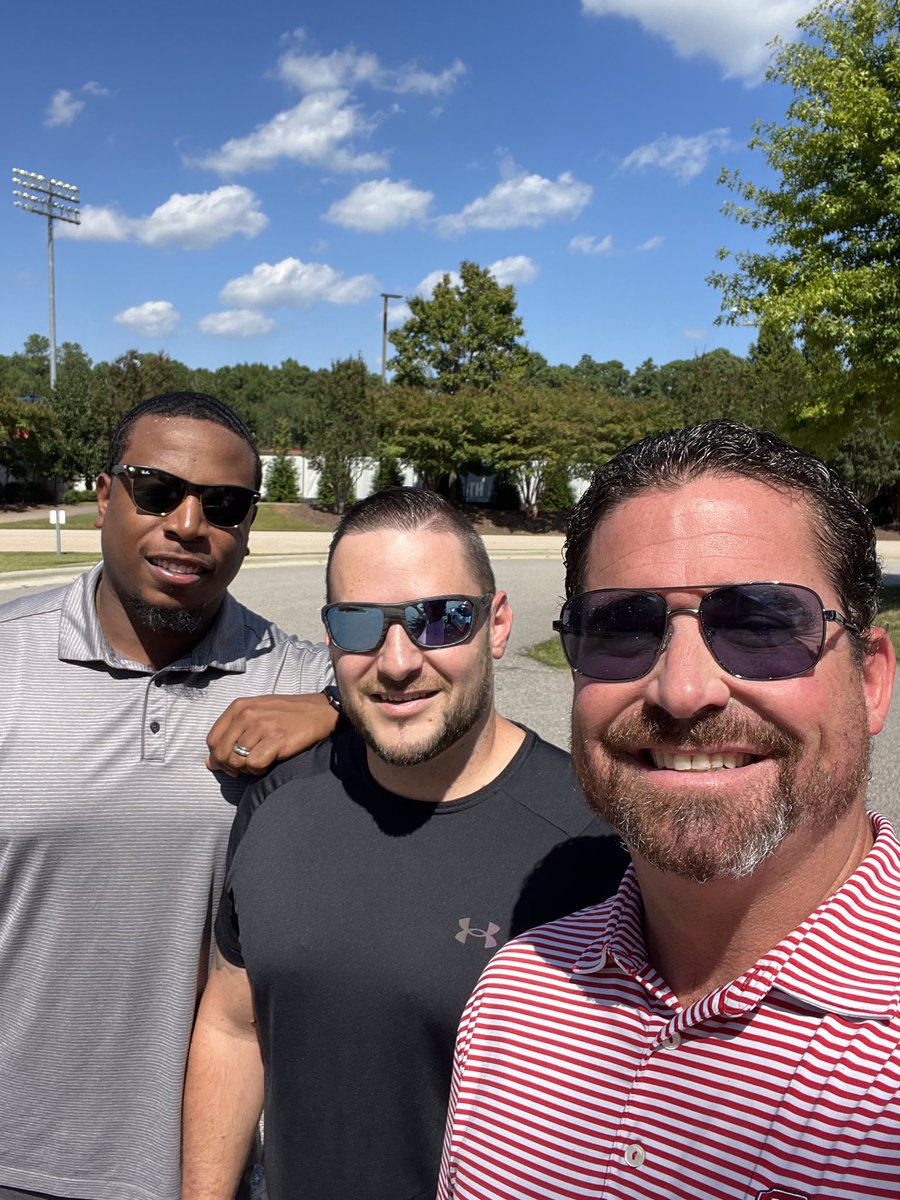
652,243
195,221
313,132
155,318
99,223
694,335
519,201
62,109
433,278
236,323
399,314
296,284
200,220
93,88
586,243
736,35
349,69
685,157
519,268
380,205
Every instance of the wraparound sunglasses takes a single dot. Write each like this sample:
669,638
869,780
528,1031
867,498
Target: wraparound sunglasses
159,493
757,631
434,622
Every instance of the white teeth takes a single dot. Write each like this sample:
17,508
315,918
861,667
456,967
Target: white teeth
697,762
177,568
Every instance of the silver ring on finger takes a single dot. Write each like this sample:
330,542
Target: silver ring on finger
241,751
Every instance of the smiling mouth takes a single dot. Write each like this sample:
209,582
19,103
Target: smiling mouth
663,760
401,698
177,566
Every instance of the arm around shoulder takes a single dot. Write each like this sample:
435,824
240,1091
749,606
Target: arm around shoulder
223,1094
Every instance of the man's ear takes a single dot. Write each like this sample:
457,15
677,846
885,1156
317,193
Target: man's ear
500,622
104,484
878,677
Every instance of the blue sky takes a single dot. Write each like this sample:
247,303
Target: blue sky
254,176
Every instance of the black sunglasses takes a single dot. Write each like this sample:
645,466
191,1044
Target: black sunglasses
758,631
158,493
434,622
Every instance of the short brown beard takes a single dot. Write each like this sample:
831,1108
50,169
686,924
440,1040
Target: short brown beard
694,835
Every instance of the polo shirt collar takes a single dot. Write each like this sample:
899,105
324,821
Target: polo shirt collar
81,638
841,959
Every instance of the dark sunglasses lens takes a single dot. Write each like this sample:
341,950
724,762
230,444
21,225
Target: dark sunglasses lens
613,635
764,630
356,628
226,506
158,494
445,621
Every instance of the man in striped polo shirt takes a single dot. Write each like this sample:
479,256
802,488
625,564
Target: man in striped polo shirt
727,1026
112,831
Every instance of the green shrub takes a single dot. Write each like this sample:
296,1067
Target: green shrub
76,497
557,490
281,481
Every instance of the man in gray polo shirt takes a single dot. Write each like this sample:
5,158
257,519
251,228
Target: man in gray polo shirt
112,830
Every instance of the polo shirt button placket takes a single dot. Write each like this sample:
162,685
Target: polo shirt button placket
634,1154
671,1041
155,740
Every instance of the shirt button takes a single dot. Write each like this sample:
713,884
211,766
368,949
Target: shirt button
158,681
634,1155
671,1041
154,726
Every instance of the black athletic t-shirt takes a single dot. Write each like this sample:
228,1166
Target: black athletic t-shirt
364,920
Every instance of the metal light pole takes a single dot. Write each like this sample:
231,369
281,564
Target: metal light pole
385,297
56,201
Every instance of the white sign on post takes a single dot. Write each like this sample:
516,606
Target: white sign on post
58,518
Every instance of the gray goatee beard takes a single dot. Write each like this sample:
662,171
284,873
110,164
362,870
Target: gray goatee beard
702,837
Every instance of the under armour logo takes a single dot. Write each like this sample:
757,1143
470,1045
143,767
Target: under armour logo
466,931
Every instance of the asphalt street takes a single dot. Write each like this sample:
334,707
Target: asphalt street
293,593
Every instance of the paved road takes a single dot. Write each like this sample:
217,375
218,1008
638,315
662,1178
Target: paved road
292,594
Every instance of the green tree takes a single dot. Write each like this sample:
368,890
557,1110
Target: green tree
465,335
343,430
281,478
831,274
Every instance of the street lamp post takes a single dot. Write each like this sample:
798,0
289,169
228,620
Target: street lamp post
56,201
385,297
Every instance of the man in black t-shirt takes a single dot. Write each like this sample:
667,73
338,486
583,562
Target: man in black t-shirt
371,879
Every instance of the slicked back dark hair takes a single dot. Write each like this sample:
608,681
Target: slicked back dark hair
841,526
410,510
198,406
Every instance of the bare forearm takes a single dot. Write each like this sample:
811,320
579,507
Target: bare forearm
223,1099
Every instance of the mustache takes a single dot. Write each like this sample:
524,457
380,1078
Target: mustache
657,726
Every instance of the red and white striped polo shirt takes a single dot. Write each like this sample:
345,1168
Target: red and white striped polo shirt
577,1075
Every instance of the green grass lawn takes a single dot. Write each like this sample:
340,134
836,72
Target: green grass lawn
29,560
271,518
550,652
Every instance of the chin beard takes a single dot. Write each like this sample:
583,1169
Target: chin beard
159,619
470,707
694,835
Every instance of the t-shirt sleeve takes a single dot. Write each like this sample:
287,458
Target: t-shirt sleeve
227,927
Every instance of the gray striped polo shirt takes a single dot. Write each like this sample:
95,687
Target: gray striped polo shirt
112,849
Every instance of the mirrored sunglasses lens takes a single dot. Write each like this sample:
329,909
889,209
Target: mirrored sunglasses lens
356,628
614,635
764,631
439,622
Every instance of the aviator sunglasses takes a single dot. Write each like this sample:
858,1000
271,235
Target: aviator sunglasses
158,493
757,631
434,622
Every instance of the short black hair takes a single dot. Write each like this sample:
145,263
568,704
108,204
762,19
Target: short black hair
410,509
198,406
842,527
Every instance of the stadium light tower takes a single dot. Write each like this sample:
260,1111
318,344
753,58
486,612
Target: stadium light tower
385,297
56,201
